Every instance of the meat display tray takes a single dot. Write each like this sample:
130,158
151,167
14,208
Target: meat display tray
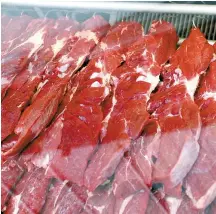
108,108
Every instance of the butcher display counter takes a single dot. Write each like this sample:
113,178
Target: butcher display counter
108,107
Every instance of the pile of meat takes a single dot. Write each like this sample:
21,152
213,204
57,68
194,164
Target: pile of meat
104,119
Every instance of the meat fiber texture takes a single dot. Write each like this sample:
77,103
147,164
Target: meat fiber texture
65,148
11,172
12,27
200,183
30,193
23,48
175,113
57,74
125,109
23,87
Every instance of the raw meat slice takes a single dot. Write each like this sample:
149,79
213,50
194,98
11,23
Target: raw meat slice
64,197
25,84
130,192
186,206
154,207
13,29
101,201
39,114
82,112
201,181
11,172
177,114
30,193
15,60
56,193
144,151
189,62
125,110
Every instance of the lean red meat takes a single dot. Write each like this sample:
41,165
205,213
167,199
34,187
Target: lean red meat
50,93
25,84
176,113
125,110
67,145
201,181
18,56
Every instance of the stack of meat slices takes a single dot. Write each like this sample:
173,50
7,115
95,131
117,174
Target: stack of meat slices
95,121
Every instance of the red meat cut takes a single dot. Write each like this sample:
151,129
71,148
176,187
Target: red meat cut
16,59
201,181
125,110
38,115
30,193
11,172
176,113
61,155
64,197
12,28
131,194
25,84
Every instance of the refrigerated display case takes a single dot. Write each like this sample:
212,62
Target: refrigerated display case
108,107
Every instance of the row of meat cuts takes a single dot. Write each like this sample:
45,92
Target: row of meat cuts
100,119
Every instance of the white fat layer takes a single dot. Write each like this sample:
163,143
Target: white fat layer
191,85
4,81
73,92
63,68
57,46
100,209
80,61
87,34
30,67
37,40
17,199
205,200
103,46
174,204
214,58
99,64
208,95
95,84
65,59
42,84
147,77
188,156
125,203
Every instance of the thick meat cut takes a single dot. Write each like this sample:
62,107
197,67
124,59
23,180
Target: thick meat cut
176,113
125,110
25,84
201,181
44,106
67,153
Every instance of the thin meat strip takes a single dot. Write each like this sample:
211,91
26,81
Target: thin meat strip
174,111
125,110
45,103
65,148
200,183
23,87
